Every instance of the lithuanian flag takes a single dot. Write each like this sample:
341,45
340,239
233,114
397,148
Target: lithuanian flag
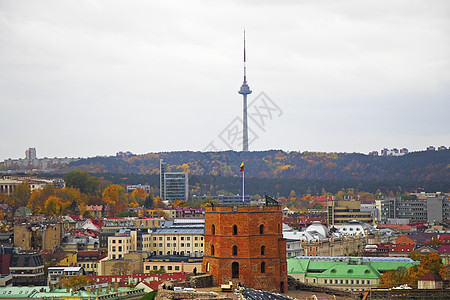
242,167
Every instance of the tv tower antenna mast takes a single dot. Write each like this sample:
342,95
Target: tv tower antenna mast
244,91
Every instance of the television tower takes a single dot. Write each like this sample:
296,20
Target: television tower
244,91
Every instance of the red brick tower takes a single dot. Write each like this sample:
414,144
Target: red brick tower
245,244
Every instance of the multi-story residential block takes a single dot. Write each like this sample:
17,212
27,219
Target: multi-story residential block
130,263
294,248
115,224
27,269
173,264
55,274
118,245
96,211
89,261
39,236
145,187
176,240
30,153
341,212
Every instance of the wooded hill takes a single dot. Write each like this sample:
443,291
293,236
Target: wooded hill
416,166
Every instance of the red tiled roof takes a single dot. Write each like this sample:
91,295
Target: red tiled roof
400,248
401,227
443,249
430,277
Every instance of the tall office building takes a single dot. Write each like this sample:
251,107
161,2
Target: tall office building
173,185
420,207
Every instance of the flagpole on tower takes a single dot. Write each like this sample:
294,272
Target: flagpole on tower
243,187
243,183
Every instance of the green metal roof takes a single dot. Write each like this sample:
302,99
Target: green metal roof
21,292
342,269
295,265
45,292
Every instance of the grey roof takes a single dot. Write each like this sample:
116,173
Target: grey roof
180,230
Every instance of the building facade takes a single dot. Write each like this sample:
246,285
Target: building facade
173,185
341,212
422,207
245,245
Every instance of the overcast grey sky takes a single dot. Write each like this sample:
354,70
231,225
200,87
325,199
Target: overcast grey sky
87,78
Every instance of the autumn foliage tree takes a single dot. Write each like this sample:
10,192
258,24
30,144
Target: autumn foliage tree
431,262
393,278
75,281
116,198
137,197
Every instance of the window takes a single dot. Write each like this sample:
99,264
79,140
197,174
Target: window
196,244
188,238
182,238
212,249
263,250
263,267
169,268
235,270
235,250
168,244
147,267
113,248
196,238
177,268
261,229
114,241
235,231
168,238
213,229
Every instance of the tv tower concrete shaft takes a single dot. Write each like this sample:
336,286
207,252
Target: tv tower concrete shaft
244,91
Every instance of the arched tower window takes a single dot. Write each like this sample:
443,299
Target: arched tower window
235,230
263,267
279,228
235,270
263,250
261,229
213,229
212,249
235,251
